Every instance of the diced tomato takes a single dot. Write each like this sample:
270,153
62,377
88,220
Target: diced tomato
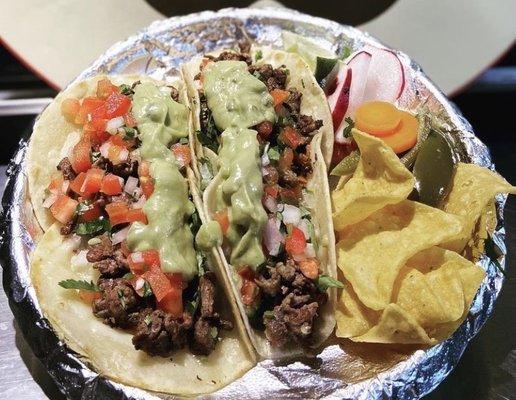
111,185
117,154
272,190
91,109
286,159
92,213
279,96
120,213
89,296
144,168
290,137
182,154
295,243
70,108
309,268
129,120
172,303
147,186
118,140
142,261
93,181
117,105
56,184
117,213
96,130
105,88
80,158
63,208
222,217
76,184
136,215
249,291
159,283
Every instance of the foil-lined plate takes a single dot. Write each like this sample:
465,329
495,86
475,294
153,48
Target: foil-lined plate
341,369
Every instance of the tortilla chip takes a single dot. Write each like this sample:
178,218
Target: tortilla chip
379,180
353,318
396,326
473,187
372,252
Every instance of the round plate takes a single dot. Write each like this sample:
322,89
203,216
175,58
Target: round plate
342,368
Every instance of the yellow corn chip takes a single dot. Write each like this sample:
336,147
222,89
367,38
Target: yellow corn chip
396,326
473,187
372,252
353,318
380,179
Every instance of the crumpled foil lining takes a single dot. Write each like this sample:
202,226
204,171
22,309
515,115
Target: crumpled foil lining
342,369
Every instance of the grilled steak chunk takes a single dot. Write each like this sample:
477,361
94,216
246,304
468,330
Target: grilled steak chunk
65,166
119,305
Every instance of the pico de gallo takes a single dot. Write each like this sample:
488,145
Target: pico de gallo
117,190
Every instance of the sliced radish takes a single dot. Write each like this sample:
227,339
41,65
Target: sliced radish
359,65
386,77
339,99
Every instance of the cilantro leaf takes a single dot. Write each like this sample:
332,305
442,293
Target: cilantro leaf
195,222
129,133
259,55
347,130
346,51
91,227
128,276
191,306
79,284
324,282
147,290
273,153
126,89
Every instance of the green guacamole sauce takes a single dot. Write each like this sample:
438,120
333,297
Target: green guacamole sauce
236,97
208,236
241,193
161,122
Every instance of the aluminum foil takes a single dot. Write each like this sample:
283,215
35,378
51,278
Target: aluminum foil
342,369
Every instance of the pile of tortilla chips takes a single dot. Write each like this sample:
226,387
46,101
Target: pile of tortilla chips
405,280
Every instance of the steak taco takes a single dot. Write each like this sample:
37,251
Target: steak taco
117,272
262,133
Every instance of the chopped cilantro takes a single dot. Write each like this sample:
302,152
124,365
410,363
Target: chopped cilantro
273,153
147,290
147,319
324,282
82,207
79,284
91,227
195,222
201,262
346,51
209,136
305,213
191,306
126,89
95,155
129,133
259,55
128,276
347,130
286,121
121,298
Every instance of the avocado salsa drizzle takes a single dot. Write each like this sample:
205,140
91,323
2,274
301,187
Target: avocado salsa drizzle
124,189
243,121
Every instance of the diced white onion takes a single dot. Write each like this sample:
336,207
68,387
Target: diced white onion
65,186
51,199
124,155
120,236
113,125
139,283
130,185
75,241
272,237
304,225
140,203
270,204
310,250
137,257
104,149
291,214
137,193
265,156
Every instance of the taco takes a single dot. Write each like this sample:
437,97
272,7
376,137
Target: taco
117,272
262,133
